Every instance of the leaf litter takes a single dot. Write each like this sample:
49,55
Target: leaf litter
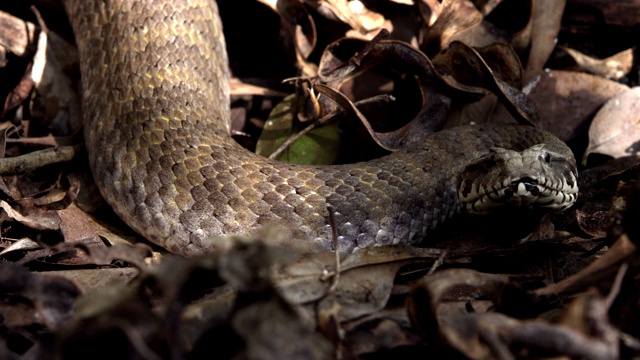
73,283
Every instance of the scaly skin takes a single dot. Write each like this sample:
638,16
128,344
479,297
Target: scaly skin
155,98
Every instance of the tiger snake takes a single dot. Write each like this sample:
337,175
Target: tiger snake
155,101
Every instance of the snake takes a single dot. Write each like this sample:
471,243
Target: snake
155,102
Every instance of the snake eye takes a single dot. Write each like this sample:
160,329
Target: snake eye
545,157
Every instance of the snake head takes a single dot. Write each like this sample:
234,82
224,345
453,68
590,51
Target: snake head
538,177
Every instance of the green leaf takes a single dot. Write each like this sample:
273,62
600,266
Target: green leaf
319,146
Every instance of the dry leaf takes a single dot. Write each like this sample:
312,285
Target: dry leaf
16,35
623,13
239,88
45,220
456,16
77,225
353,13
603,269
566,101
300,24
615,130
90,280
307,280
56,100
363,291
271,329
487,335
21,245
615,67
51,298
546,17
494,69
19,94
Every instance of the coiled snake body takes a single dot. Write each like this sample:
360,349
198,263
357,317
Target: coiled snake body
155,100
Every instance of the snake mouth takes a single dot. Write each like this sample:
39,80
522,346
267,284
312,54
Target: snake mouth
521,193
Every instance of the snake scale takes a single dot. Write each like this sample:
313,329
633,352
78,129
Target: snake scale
155,100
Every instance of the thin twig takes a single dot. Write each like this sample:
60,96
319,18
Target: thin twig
48,140
37,159
439,261
617,284
357,58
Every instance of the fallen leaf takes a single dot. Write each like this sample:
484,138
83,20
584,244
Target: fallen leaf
76,225
51,297
362,291
365,280
455,16
238,88
429,10
17,36
19,94
300,24
21,245
566,101
353,13
271,329
90,280
346,58
615,130
47,220
500,74
615,67
623,13
604,268
56,101
382,333
485,335
546,17
51,197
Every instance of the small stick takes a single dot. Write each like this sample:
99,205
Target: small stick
357,58
617,284
439,261
36,159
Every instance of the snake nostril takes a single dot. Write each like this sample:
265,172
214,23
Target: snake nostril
545,157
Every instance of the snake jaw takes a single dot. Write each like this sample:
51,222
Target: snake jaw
533,178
